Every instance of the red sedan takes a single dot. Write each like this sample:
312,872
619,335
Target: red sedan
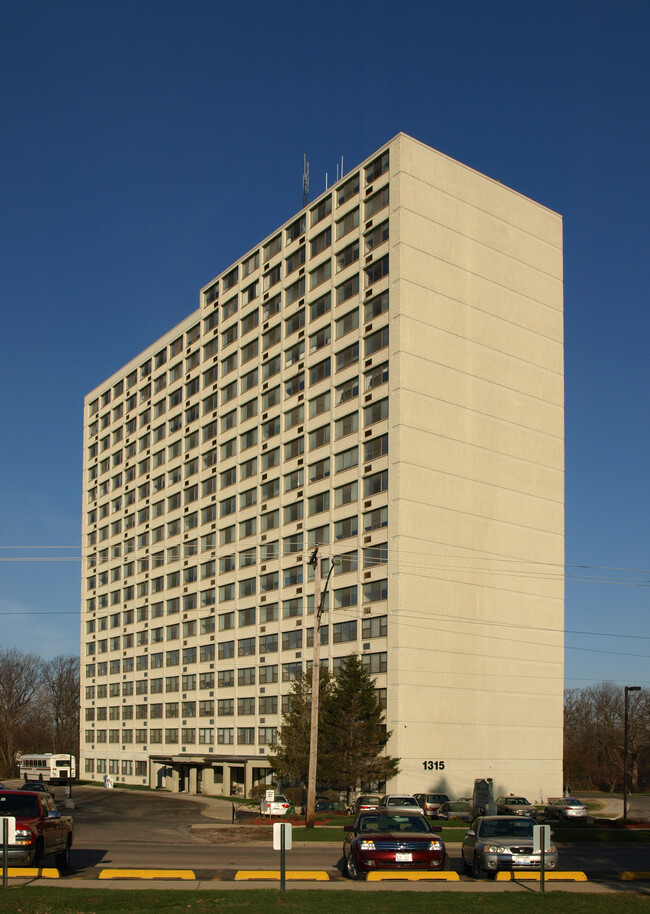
392,839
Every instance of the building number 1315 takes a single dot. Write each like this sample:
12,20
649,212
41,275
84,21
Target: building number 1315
433,766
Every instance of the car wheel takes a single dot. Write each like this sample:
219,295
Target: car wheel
477,872
466,868
62,860
350,869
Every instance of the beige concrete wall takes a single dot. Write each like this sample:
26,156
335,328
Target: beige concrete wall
477,495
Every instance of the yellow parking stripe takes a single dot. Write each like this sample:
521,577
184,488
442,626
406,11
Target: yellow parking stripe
147,874
411,875
43,872
316,875
534,876
630,875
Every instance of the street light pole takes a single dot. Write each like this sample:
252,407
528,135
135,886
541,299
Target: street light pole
319,602
626,724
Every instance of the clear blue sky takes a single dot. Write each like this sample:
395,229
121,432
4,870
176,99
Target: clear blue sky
146,145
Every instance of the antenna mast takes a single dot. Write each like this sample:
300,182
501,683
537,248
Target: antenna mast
305,181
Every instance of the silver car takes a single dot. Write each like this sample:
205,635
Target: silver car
515,806
565,808
502,843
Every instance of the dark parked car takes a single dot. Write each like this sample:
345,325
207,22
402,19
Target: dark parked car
502,843
455,809
515,806
431,802
392,839
38,786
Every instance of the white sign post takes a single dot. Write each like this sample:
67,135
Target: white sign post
282,840
541,844
8,837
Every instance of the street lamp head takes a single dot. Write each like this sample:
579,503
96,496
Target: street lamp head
336,562
632,688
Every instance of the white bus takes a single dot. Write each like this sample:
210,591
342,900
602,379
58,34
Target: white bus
48,767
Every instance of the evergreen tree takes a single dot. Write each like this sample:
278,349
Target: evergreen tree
353,731
289,755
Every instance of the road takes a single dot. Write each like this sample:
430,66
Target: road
125,829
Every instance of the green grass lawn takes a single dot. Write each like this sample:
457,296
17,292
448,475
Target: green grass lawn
35,900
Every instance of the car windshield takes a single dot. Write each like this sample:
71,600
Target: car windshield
458,806
492,828
401,801
517,801
573,803
368,801
403,823
12,805
280,800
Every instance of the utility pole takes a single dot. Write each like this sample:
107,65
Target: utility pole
626,726
314,559
319,602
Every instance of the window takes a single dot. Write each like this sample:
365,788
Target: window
375,342
376,376
321,306
292,640
374,520
295,260
268,674
320,275
344,631
248,381
294,385
318,503
378,482
376,627
321,242
345,495
319,437
347,323
375,591
294,480
376,271
272,247
294,417
320,371
377,202
347,289
377,167
246,411
347,459
246,676
271,307
347,356
291,671
270,398
376,237
319,470
376,447
348,527
272,367
375,663
321,210
348,190
272,277
347,425
296,229
345,596
347,256
376,412
347,391
295,291
348,223
319,340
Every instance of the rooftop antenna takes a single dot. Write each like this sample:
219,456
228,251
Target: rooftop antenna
305,181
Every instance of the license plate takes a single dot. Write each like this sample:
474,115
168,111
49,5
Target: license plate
522,860
403,858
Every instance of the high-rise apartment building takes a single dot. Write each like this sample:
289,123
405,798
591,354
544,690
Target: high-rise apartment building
383,376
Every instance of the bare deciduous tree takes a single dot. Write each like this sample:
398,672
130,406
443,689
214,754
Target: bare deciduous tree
20,680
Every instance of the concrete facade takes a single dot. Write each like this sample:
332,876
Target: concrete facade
383,376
